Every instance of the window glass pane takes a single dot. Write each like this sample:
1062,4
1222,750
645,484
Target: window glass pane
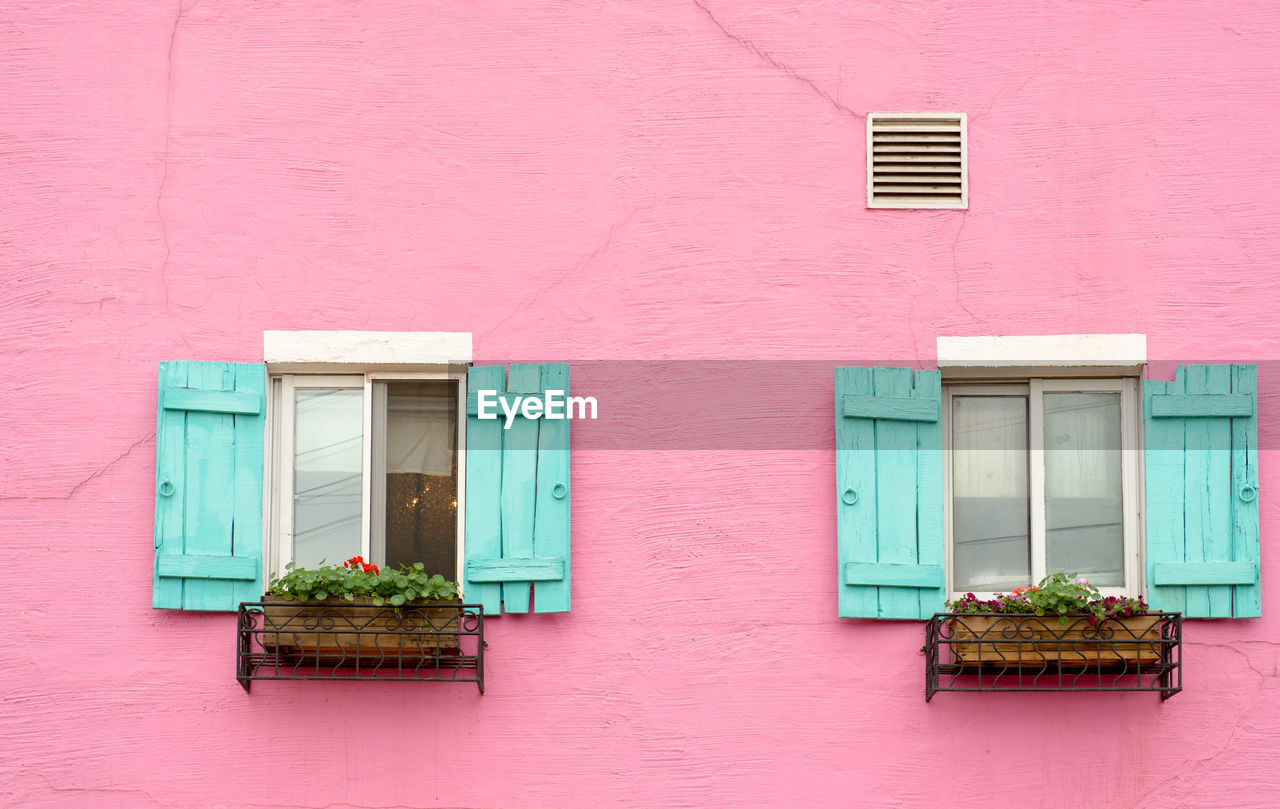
422,475
991,545
1084,529
327,475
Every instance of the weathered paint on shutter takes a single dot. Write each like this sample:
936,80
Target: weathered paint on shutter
517,500
208,529
551,507
889,492
484,490
1201,437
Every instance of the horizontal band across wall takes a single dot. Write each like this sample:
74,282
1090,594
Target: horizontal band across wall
516,570
1203,573
212,401
179,566
887,575
891,408
1201,405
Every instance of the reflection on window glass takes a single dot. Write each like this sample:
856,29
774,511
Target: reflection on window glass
422,474
327,480
989,474
1084,529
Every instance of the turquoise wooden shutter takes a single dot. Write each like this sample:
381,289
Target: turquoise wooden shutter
208,535
1201,434
517,495
889,493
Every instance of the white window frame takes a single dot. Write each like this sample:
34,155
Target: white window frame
281,397
354,359
1034,389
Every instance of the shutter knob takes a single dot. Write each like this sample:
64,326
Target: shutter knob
1248,493
166,488
559,490
850,496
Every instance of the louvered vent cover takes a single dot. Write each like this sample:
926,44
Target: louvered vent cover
917,160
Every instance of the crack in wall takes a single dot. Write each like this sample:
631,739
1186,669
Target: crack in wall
608,239
1232,647
1035,70
1207,760
164,158
602,248
96,474
955,268
782,67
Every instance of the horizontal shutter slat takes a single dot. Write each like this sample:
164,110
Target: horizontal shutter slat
212,401
241,568
890,408
1203,573
1201,405
886,575
515,570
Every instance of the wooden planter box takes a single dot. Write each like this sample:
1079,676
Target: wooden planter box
1034,640
339,629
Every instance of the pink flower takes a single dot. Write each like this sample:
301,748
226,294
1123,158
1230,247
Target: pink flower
1082,581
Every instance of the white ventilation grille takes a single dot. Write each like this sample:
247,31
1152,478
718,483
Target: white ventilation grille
917,160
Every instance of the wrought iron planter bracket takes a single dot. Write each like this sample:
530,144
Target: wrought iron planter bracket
1025,652
321,640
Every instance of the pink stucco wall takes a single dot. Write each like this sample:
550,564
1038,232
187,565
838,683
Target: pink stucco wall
606,180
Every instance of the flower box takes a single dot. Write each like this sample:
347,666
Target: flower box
336,629
1031,639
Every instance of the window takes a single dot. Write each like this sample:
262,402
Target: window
1047,463
367,437
917,160
1041,477
369,465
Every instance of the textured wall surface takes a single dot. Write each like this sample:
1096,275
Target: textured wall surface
606,180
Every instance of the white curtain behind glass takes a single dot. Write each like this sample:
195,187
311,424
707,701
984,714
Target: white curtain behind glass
417,442
328,475
1084,527
990,518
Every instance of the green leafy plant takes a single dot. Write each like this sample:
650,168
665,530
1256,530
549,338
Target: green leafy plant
1060,594
357,578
